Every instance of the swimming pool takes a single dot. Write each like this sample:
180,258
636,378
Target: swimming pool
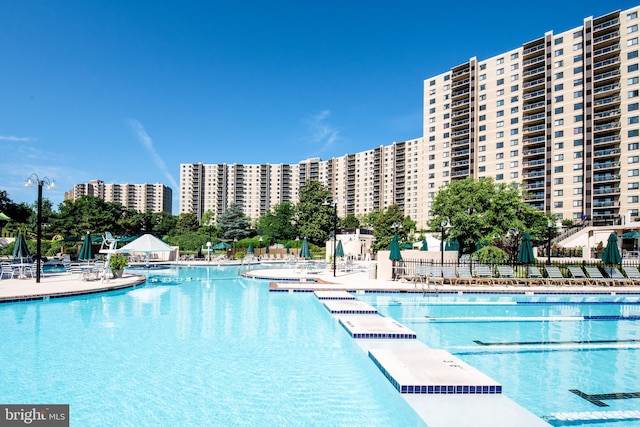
195,346
560,356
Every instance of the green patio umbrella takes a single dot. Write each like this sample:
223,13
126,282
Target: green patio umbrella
611,253
425,246
20,250
304,250
631,235
221,245
250,248
525,251
288,247
406,246
4,217
451,245
339,249
266,249
394,249
86,251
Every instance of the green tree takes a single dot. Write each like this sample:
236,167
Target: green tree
233,223
279,223
349,221
187,222
88,213
315,212
479,210
387,223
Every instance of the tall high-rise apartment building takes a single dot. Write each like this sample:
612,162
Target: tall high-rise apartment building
141,197
361,182
559,114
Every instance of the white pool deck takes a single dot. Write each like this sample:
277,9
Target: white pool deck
405,360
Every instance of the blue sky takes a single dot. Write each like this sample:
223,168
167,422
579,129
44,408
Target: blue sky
126,91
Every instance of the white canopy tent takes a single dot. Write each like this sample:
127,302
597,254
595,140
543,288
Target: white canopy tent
433,244
146,244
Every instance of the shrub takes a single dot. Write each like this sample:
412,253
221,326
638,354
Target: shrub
118,262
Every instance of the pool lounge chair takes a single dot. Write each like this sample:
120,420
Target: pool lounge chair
464,275
449,275
8,270
534,276
633,274
617,276
484,274
555,277
505,276
597,278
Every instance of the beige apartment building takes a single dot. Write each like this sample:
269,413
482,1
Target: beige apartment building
140,197
558,115
360,182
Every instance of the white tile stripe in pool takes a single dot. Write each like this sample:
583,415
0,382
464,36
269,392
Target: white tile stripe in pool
595,416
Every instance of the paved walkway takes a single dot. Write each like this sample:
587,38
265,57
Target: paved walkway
57,285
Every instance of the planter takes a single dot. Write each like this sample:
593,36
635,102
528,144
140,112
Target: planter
117,273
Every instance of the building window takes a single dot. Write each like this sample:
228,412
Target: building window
513,175
632,42
632,29
514,56
633,186
633,159
499,177
632,199
499,145
481,169
558,169
632,54
558,181
633,146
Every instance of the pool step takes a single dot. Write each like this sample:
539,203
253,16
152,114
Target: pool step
337,295
349,307
375,327
432,371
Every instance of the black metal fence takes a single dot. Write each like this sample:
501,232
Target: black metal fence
414,267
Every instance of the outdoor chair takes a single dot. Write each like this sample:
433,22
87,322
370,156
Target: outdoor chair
534,276
464,275
483,274
506,275
555,277
617,276
449,275
597,278
7,269
633,274
577,273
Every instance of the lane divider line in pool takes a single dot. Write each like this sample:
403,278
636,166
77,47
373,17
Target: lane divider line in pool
492,319
518,343
597,399
581,416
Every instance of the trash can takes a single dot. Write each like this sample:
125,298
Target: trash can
372,272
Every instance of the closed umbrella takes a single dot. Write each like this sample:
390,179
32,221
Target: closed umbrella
86,251
339,249
266,249
250,248
394,249
394,254
288,248
611,253
304,250
525,251
20,250
425,246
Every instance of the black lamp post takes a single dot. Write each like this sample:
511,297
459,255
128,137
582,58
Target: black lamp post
443,224
30,182
335,227
514,250
549,225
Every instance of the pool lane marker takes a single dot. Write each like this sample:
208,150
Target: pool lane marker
597,399
482,343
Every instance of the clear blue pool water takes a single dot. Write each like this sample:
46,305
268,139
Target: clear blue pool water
197,346
539,347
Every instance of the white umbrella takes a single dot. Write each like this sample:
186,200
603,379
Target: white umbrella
146,243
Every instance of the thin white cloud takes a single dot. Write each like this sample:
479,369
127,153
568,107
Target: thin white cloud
148,145
16,138
323,134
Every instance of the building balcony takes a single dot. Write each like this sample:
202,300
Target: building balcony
533,174
535,94
606,177
459,103
458,113
604,25
533,49
607,63
534,152
459,153
597,204
459,123
613,139
606,190
606,88
460,83
533,83
606,38
533,163
534,129
607,50
534,117
607,127
533,72
615,112
606,76
606,165
535,140
534,106
607,152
